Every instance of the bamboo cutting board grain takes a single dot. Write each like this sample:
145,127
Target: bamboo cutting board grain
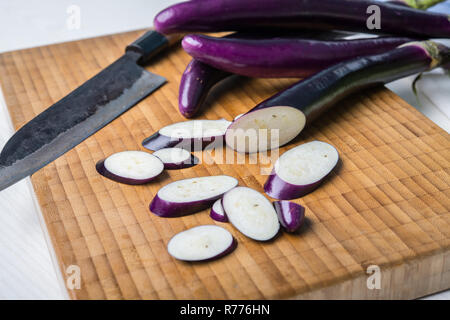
386,205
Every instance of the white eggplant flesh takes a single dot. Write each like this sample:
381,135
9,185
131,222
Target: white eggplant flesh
130,167
301,170
176,158
201,243
260,130
188,196
191,135
251,213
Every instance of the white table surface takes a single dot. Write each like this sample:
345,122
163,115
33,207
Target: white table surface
28,268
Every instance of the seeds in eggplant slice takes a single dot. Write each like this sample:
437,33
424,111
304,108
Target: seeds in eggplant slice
201,243
217,212
130,167
190,135
176,158
300,170
290,214
251,213
188,196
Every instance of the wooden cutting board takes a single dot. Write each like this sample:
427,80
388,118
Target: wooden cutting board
386,205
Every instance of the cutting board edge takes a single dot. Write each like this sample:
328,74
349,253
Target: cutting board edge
356,288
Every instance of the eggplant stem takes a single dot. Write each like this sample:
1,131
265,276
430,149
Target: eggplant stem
438,52
422,4
414,85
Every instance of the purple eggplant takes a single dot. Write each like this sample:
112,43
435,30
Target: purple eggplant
192,135
279,119
188,196
130,167
290,214
301,170
238,15
217,212
281,57
199,78
176,158
195,84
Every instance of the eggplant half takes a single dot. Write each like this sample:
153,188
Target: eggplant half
282,117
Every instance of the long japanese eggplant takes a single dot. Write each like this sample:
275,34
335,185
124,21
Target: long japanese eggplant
238,15
280,57
279,119
196,82
265,55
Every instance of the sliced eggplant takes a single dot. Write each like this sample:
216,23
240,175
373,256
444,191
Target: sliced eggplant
188,196
290,214
130,167
251,213
201,243
217,212
190,135
300,170
176,158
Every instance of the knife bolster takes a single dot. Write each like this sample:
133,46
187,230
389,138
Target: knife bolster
148,45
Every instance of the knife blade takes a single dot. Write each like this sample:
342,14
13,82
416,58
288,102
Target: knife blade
84,111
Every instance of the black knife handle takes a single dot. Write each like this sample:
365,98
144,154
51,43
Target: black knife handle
150,44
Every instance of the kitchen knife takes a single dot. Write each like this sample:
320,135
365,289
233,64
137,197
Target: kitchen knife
84,111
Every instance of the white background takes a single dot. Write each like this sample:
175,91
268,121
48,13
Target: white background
27,264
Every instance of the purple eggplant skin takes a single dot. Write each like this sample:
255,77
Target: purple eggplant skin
346,77
101,169
167,209
350,15
158,141
217,216
196,82
199,78
317,93
290,214
277,188
281,57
